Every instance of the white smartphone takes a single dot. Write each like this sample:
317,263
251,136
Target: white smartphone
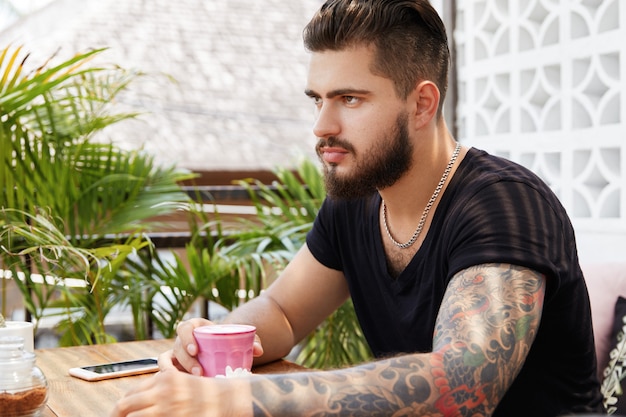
115,369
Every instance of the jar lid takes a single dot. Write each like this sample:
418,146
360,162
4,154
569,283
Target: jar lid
12,350
16,364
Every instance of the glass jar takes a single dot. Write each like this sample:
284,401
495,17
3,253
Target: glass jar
23,387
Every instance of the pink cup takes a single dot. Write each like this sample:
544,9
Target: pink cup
223,345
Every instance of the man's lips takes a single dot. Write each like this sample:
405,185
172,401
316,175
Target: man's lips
333,155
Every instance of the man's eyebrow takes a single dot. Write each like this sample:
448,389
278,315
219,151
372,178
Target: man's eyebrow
338,92
310,93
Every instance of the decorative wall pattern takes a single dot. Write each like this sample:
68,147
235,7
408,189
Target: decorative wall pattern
543,82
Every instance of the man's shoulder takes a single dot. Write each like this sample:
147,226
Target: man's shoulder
483,168
492,164
487,178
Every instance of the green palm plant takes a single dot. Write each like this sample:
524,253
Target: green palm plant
66,198
168,288
226,268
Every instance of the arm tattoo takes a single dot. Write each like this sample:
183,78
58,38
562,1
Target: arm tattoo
486,325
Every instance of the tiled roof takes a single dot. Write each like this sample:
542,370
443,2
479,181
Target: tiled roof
239,64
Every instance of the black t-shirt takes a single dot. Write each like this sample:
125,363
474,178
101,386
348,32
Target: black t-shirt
492,211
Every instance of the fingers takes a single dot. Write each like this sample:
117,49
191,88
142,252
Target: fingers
168,361
172,393
185,348
185,333
257,348
138,398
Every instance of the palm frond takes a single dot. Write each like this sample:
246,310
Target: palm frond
18,91
63,192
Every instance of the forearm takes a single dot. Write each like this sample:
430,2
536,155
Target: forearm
453,381
273,328
409,385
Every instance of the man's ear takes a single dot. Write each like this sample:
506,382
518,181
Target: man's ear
426,102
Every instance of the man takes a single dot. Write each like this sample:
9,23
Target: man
462,266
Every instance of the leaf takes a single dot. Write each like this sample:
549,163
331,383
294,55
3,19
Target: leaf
63,195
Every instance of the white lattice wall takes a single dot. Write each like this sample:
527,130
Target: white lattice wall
543,82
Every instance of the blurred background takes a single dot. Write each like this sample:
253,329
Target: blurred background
541,82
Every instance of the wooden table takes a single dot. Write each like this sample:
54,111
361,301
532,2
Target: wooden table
73,397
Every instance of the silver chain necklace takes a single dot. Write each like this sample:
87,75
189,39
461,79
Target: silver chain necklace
420,226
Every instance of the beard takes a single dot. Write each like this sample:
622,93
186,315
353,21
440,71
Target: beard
380,167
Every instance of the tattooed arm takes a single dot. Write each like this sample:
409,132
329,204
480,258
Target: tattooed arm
486,324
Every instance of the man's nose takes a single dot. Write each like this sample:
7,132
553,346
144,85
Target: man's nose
327,122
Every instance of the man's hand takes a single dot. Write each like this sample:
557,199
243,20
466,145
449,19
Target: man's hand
183,355
174,393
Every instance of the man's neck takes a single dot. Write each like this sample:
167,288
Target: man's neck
408,196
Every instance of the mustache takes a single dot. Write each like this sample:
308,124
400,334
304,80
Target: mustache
333,141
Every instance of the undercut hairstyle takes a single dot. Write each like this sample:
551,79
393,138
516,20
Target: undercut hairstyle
409,38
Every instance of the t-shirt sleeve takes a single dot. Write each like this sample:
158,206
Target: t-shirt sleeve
321,239
510,222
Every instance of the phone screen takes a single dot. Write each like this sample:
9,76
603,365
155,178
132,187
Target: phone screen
120,366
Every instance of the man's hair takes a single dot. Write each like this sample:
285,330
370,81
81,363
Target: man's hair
408,35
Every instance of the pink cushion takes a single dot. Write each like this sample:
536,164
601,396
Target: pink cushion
605,282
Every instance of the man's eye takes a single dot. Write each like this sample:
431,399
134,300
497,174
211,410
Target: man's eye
351,99
316,100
